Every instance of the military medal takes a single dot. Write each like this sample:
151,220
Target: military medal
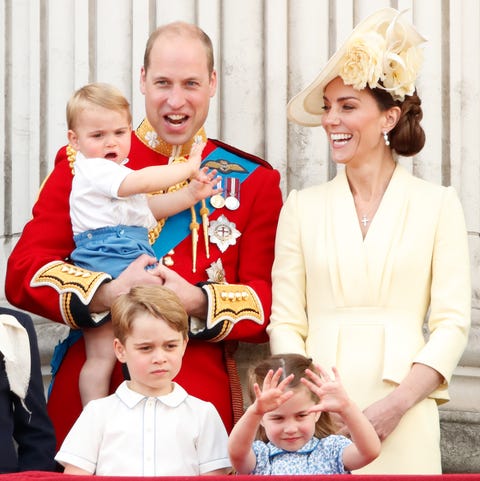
223,233
218,201
232,202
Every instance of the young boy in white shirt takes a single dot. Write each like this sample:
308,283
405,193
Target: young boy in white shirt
150,426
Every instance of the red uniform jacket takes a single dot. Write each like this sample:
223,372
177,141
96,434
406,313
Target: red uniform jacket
40,279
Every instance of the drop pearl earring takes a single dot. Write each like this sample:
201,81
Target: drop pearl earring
385,138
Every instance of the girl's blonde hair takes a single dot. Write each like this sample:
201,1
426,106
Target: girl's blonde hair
295,364
96,93
158,301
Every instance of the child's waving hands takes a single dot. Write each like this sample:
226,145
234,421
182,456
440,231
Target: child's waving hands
332,395
273,393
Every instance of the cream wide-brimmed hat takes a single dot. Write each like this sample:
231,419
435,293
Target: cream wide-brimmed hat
382,51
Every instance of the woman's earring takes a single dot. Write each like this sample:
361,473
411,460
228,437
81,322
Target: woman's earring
385,138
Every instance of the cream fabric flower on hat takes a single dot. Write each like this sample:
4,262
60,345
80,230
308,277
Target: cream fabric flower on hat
401,72
383,51
363,61
383,58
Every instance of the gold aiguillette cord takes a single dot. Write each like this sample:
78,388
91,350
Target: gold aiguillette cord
194,226
204,213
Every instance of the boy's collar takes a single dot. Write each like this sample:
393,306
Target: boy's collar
131,398
150,138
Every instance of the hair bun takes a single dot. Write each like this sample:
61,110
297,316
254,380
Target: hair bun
408,136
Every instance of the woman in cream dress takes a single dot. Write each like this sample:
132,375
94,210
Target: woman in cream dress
363,260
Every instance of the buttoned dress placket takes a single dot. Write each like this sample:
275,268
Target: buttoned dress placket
149,437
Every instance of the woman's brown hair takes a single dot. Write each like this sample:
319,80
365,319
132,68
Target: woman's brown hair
407,138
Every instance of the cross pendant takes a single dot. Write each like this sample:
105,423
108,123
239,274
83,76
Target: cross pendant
364,220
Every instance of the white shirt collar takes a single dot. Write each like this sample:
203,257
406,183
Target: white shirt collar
131,398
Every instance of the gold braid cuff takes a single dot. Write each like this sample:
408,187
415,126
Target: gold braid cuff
68,279
229,304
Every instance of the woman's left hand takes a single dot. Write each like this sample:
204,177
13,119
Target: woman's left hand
384,416
386,413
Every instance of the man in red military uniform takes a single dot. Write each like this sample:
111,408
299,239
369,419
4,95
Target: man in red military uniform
217,256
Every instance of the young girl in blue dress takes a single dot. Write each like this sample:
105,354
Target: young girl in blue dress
288,429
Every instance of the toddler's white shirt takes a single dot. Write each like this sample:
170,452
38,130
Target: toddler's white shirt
94,200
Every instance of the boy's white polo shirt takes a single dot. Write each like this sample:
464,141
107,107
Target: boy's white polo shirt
128,434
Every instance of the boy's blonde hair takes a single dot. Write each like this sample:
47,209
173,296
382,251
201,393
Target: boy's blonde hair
295,364
96,93
158,301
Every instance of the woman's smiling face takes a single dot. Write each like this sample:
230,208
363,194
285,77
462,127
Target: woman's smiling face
353,123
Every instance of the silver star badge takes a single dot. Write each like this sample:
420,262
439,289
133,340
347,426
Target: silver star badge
223,233
216,272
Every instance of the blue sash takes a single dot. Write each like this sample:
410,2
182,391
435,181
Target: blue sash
59,353
177,227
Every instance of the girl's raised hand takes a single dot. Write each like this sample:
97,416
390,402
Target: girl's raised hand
273,392
332,395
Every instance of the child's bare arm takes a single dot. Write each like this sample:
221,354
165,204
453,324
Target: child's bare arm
241,438
366,444
165,205
160,177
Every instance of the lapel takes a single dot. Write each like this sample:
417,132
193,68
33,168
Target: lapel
361,269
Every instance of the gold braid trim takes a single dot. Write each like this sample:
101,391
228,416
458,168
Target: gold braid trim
71,156
65,278
155,232
65,303
229,304
147,135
